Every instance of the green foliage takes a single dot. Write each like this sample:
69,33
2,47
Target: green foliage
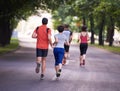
12,11
21,9
111,8
63,11
66,14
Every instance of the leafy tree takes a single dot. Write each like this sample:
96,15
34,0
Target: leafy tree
97,14
63,15
113,13
11,11
85,10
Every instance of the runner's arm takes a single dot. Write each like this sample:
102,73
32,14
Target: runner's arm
78,40
55,42
50,39
34,35
88,38
70,40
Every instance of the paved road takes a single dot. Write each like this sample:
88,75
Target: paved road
101,73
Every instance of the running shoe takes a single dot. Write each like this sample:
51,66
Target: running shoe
81,64
37,69
42,76
58,73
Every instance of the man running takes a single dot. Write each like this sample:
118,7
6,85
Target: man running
43,36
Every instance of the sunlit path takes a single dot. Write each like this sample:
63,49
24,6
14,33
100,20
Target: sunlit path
101,72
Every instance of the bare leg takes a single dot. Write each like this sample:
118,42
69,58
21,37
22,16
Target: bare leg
38,61
80,58
64,59
56,68
60,66
66,54
43,65
84,56
84,59
82,62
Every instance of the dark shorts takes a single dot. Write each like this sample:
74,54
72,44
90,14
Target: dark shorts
66,48
41,52
83,48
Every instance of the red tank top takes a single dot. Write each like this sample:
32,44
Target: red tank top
83,38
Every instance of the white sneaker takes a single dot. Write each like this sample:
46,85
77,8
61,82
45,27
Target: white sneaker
55,78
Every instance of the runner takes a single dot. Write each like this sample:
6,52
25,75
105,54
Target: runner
68,34
58,50
43,36
83,40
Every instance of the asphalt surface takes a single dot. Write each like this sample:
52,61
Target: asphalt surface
101,72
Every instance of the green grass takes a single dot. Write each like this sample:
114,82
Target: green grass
113,49
13,45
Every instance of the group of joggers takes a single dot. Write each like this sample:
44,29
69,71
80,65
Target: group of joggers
60,46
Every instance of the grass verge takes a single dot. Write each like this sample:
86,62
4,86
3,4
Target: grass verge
13,45
114,49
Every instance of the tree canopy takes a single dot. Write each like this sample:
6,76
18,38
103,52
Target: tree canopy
101,16
11,11
98,15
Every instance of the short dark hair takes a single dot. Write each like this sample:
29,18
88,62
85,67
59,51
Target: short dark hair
84,28
60,28
44,21
66,25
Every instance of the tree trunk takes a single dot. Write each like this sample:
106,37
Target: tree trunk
108,33
5,31
91,29
111,31
84,21
101,38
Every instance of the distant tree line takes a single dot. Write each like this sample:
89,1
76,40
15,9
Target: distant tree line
101,16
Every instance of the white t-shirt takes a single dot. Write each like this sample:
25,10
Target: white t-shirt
61,40
67,34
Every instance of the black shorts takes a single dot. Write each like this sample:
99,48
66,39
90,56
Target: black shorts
66,48
41,52
83,48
